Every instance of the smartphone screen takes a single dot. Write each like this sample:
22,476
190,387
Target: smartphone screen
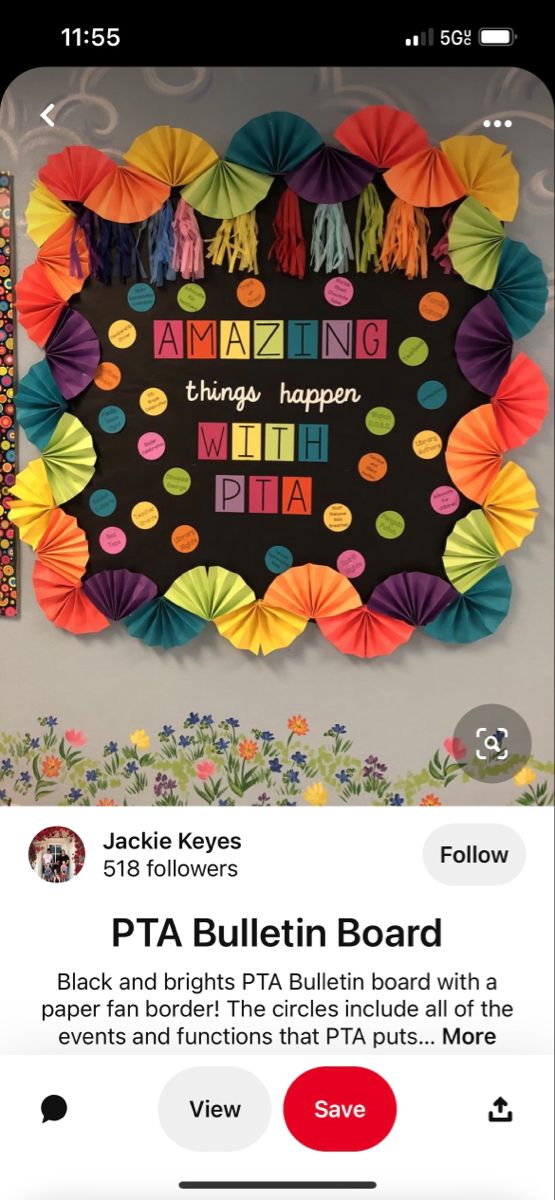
276,363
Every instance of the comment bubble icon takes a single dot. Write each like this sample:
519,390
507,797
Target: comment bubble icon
53,1108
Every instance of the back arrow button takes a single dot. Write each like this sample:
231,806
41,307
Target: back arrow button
44,115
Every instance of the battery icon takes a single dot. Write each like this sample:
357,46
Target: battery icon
496,37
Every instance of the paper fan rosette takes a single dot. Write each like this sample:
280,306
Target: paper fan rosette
45,213
69,458
63,546
173,156
227,190
72,353
158,622
39,404
412,596
33,504
470,551
474,453
510,507
520,288
486,171
119,593
365,633
312,592
330,176
260,628
382,135
476,613
274,143
74,172
475,239
91,216
520,402
64,602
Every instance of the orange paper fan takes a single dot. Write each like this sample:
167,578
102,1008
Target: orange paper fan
65,603
74,172
426,179
55,255
383,135
365,633
38,303
260,628
63,546
474,453
521,402
127,195
312,591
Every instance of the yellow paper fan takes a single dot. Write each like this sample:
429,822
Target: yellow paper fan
210,592
44,214
487,172
260,628
33,505
69,458
470,551
509,507
174,156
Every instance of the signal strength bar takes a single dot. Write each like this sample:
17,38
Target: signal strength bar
421,39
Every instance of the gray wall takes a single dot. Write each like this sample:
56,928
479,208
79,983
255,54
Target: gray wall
405,704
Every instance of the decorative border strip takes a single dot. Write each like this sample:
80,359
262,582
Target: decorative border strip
80,181
8,576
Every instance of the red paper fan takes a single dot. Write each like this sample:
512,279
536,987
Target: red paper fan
312,591
521,402
365,633
63,250
38,303
65,603
74,172
474,453
383,135
426,179
127,195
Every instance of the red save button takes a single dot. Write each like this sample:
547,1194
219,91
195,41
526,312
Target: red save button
339,1108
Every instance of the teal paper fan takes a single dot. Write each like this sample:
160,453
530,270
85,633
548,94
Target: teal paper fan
476,613
520,287
274,143
161,623
39,404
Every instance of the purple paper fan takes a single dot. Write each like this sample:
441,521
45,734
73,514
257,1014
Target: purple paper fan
330,176
118,593
412,596
73,353
483,346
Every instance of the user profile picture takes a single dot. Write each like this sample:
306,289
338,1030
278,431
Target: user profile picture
56,854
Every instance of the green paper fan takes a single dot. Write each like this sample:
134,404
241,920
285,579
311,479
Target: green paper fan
470,551
210,592
69,459
227,190
475,243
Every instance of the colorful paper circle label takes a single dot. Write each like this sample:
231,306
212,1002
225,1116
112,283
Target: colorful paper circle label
351,563
431,394
251,292
107,376
380,420
141,297
445,500
122,334
372,467
102,502
185,539
339,291
278,559
151,446
177,481
153,401
191,297
390,524
434,306
427,444
111,419
413,351
144,514
112,540
337,517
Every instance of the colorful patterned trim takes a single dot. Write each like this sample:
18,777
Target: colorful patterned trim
8,577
